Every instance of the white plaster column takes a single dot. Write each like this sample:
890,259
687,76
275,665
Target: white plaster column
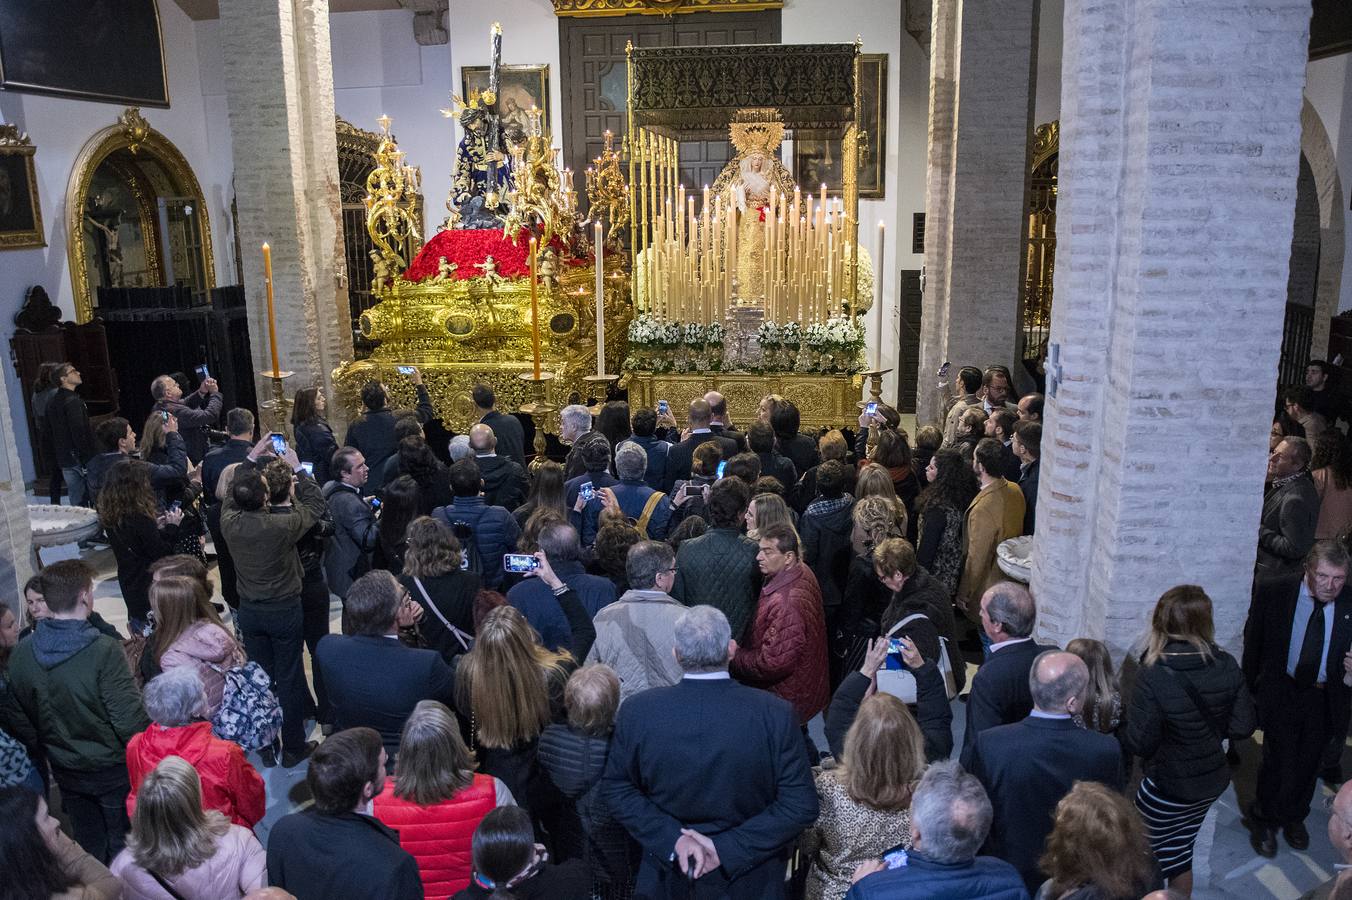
279,84
16,534
1180,139
980,125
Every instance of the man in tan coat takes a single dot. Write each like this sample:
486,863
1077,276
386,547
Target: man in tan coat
995,515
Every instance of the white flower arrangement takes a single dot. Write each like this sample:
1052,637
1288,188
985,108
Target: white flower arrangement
767,335
791,334
646,331
693,334
713,334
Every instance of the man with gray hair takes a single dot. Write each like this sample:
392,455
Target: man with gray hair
1286,529
575,427
1027,767
537,601
709,775
950,817
999,694
650,509
635,635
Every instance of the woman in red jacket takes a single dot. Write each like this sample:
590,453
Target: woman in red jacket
436,799
176,702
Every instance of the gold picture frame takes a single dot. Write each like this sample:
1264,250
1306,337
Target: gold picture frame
20,211
818,159
519,88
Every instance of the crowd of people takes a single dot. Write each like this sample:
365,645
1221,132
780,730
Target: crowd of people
599,675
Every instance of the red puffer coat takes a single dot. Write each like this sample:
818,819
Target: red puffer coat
229,783
439,836
785,651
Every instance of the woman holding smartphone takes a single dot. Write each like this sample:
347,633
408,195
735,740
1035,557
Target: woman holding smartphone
315,443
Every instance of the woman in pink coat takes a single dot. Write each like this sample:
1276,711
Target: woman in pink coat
177,849
189,633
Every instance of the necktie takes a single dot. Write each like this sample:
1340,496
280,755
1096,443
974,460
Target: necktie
1311,648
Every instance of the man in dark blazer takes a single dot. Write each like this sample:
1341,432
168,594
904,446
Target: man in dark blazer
1027,446
507,429
1290,510
644,426
1000,694
372,679
680,455
709,776
333,849
718,422
373,431
1296,660
1027,767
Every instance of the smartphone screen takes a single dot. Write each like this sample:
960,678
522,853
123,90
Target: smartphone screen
872,407
464,562
176,506
520,563
721,466
588,492
375,502
309,468
278,443
164,416
404,370
202,373
692,490
663,407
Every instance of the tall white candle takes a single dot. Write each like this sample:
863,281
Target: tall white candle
879,275
600,303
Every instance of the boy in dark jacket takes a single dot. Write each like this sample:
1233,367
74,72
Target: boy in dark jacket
80,704
826,527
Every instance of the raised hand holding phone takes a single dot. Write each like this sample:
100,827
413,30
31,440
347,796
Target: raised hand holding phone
170,422
545,572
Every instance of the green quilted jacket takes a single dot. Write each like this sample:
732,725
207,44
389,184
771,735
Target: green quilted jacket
719,569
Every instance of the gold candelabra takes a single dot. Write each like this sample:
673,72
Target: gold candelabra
608,192
391,200
541,197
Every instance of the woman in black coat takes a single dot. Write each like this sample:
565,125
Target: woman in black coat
1189,695
433,577
315,443
138,532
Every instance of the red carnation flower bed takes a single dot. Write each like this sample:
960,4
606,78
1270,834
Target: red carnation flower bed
470,246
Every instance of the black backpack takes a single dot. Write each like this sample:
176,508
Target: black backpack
471,561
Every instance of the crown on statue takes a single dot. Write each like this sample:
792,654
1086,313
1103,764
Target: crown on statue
757,129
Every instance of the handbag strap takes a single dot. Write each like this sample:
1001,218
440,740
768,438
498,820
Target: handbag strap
1196,696
906,621
456,632
653,499
168,888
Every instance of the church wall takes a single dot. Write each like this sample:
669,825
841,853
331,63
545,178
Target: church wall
1327,87
59,128
1047,91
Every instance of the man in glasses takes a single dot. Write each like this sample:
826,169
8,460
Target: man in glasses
635,634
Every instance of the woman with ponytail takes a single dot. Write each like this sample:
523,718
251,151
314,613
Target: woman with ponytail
509,865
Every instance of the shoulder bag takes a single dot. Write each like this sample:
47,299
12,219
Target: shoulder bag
900,682
466,640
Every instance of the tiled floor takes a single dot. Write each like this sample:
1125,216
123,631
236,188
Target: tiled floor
1226,867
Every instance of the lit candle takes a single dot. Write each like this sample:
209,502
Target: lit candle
879,273
534,308
272,315
822,204
600,305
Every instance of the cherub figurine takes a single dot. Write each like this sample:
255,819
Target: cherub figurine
445,269
380,273
490,270
549,268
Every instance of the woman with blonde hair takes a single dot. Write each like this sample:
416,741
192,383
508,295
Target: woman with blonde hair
1097,848
874,481
178,848
436,798
865,800
511,686
876,519
766,510
766,410
1189,696
188,632
434,579
1101,707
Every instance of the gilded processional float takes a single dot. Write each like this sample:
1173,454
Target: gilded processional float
750,285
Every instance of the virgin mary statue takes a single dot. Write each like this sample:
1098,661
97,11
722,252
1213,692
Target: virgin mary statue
746,184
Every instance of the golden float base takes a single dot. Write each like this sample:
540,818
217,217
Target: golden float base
824,401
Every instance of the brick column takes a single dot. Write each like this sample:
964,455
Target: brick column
1180,138
279,85
980,124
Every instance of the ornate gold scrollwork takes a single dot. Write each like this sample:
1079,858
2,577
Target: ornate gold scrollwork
392,191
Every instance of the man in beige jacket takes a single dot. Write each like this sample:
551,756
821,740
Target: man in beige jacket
635,635
994,515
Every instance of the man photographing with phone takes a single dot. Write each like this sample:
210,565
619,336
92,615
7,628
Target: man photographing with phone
195,413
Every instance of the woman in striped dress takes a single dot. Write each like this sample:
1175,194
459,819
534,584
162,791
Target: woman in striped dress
1189,697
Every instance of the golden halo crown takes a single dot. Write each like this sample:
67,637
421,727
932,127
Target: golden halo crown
757,129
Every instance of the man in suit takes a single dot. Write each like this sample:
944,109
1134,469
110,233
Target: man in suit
969,382
1297,663
333,848
575,430
678,458
1290,510
1028,766
709,776
373,431
506,428
1000,693
1000,425
1027,446
718,423
375,608
994,515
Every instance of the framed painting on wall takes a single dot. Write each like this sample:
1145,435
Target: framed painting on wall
521,87
818,159
104,50
20,214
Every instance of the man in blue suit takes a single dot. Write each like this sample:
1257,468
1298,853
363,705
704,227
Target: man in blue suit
372,679
1027,767
999,694
709,775
950,816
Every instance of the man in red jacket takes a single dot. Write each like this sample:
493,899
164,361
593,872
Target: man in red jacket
785,651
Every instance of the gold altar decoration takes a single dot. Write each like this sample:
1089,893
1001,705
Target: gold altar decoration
606,189
21,185
564,8
824,401
541,198
392,202
133,134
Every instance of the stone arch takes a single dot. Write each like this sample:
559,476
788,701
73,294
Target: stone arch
1317,150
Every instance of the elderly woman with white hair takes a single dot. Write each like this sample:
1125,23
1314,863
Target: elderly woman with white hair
649,510
176,702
